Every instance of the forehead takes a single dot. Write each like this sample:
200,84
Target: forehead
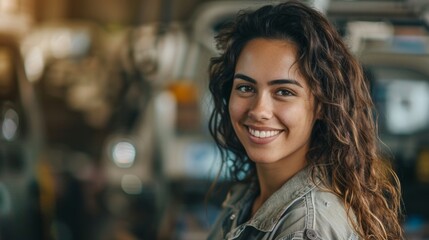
269,59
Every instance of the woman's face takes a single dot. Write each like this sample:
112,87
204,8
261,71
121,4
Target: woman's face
271,107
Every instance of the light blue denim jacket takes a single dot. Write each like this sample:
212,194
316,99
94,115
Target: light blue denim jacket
298,210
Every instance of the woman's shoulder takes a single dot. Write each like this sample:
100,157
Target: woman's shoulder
331,218
319,214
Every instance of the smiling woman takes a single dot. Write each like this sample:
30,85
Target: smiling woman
271,108
293,114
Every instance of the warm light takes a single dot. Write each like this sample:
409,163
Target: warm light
8,6
131,184
184,92
61,44
123,154
10,124
34,64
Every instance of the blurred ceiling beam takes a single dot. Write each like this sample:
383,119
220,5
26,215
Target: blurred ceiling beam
372,10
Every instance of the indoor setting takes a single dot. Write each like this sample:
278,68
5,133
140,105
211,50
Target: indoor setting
105,108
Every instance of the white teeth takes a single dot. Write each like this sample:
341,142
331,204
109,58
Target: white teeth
263,134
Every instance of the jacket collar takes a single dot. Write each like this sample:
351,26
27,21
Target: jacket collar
270,213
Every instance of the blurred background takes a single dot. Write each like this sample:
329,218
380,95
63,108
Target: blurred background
104,109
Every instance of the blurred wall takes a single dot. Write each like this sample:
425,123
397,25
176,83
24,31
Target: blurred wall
122,12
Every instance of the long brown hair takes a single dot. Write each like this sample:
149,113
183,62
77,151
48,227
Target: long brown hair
344,147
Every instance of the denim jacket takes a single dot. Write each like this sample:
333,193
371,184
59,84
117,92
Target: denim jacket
298,210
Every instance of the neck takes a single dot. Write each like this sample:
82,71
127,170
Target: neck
271,178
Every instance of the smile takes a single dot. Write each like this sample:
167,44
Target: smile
263,134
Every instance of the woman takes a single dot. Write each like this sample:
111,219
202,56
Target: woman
293,118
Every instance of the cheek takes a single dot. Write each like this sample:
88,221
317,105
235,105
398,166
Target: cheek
298,116
236,109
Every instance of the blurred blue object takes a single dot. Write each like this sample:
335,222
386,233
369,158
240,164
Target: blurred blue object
414,223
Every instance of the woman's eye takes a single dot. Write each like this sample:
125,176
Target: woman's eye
284,92
245,89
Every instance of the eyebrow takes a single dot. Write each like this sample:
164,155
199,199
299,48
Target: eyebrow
272,82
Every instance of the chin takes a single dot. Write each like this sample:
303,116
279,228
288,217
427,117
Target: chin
262,159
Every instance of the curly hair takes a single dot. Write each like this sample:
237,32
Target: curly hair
344,145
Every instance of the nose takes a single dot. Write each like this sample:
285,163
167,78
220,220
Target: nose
261,108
